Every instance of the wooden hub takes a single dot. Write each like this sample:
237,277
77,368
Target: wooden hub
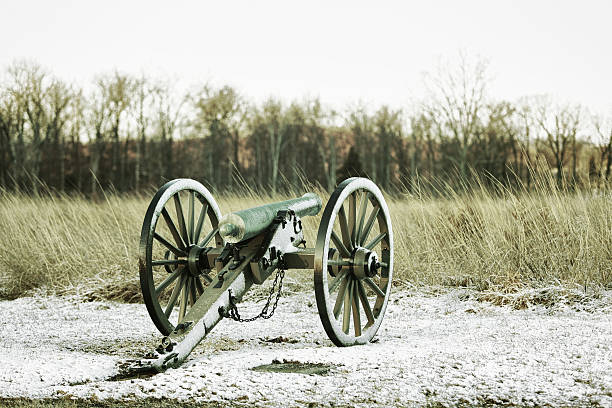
365,263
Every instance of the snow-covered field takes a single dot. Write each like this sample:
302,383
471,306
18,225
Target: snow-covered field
435,347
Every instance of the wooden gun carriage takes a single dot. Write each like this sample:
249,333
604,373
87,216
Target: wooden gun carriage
195,266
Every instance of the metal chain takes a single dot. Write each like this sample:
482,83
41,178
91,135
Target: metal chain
233,309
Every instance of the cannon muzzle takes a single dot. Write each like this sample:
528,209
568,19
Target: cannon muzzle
245,224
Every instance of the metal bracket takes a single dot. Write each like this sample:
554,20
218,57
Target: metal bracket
237,258
226,254
182,327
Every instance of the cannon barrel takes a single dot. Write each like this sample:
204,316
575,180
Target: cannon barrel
245,224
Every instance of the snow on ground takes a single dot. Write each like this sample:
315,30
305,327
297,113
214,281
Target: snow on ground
433,347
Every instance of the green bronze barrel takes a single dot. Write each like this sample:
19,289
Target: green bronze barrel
245,224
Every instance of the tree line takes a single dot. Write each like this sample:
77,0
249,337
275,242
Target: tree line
129,133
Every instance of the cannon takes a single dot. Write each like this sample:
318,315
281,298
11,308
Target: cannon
195,266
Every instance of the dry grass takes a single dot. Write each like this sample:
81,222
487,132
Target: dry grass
502,242
505,243
546,296
66,243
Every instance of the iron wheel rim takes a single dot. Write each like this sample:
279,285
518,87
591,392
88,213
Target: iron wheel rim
334,324
209,210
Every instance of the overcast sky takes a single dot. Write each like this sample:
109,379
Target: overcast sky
341,51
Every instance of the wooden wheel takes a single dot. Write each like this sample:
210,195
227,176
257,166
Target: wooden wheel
353,264
180,225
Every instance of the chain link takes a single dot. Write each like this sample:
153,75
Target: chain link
233,313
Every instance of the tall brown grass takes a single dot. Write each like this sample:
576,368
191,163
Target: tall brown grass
505,242
501,241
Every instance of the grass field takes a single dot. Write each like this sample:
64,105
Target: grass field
502,241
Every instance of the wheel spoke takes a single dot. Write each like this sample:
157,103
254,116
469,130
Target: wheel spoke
365,303
338,263
168,245
184,299
369,224
384,282
191,216
352,220
374,287
169,262
355,304
199,286
173,230
376,240
338,280
174,296
181,218
348,298
339,245
344,229
201,217
194,295
166,282
363,206
207,238
340,298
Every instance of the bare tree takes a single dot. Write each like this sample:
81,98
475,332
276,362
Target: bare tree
269,128
456,100
10,120
221,115
118,92
495,144
97,118
272,110
295,117
388,130
560,125
58,98
77,114
362,125
423,139
169,107
526,123
51,132
29,87
603,130
142,105
318,127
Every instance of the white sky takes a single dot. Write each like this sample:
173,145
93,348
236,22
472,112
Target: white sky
342,51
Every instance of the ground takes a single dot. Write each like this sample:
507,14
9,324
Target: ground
436,347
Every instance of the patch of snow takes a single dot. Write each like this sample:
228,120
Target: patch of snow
434,346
